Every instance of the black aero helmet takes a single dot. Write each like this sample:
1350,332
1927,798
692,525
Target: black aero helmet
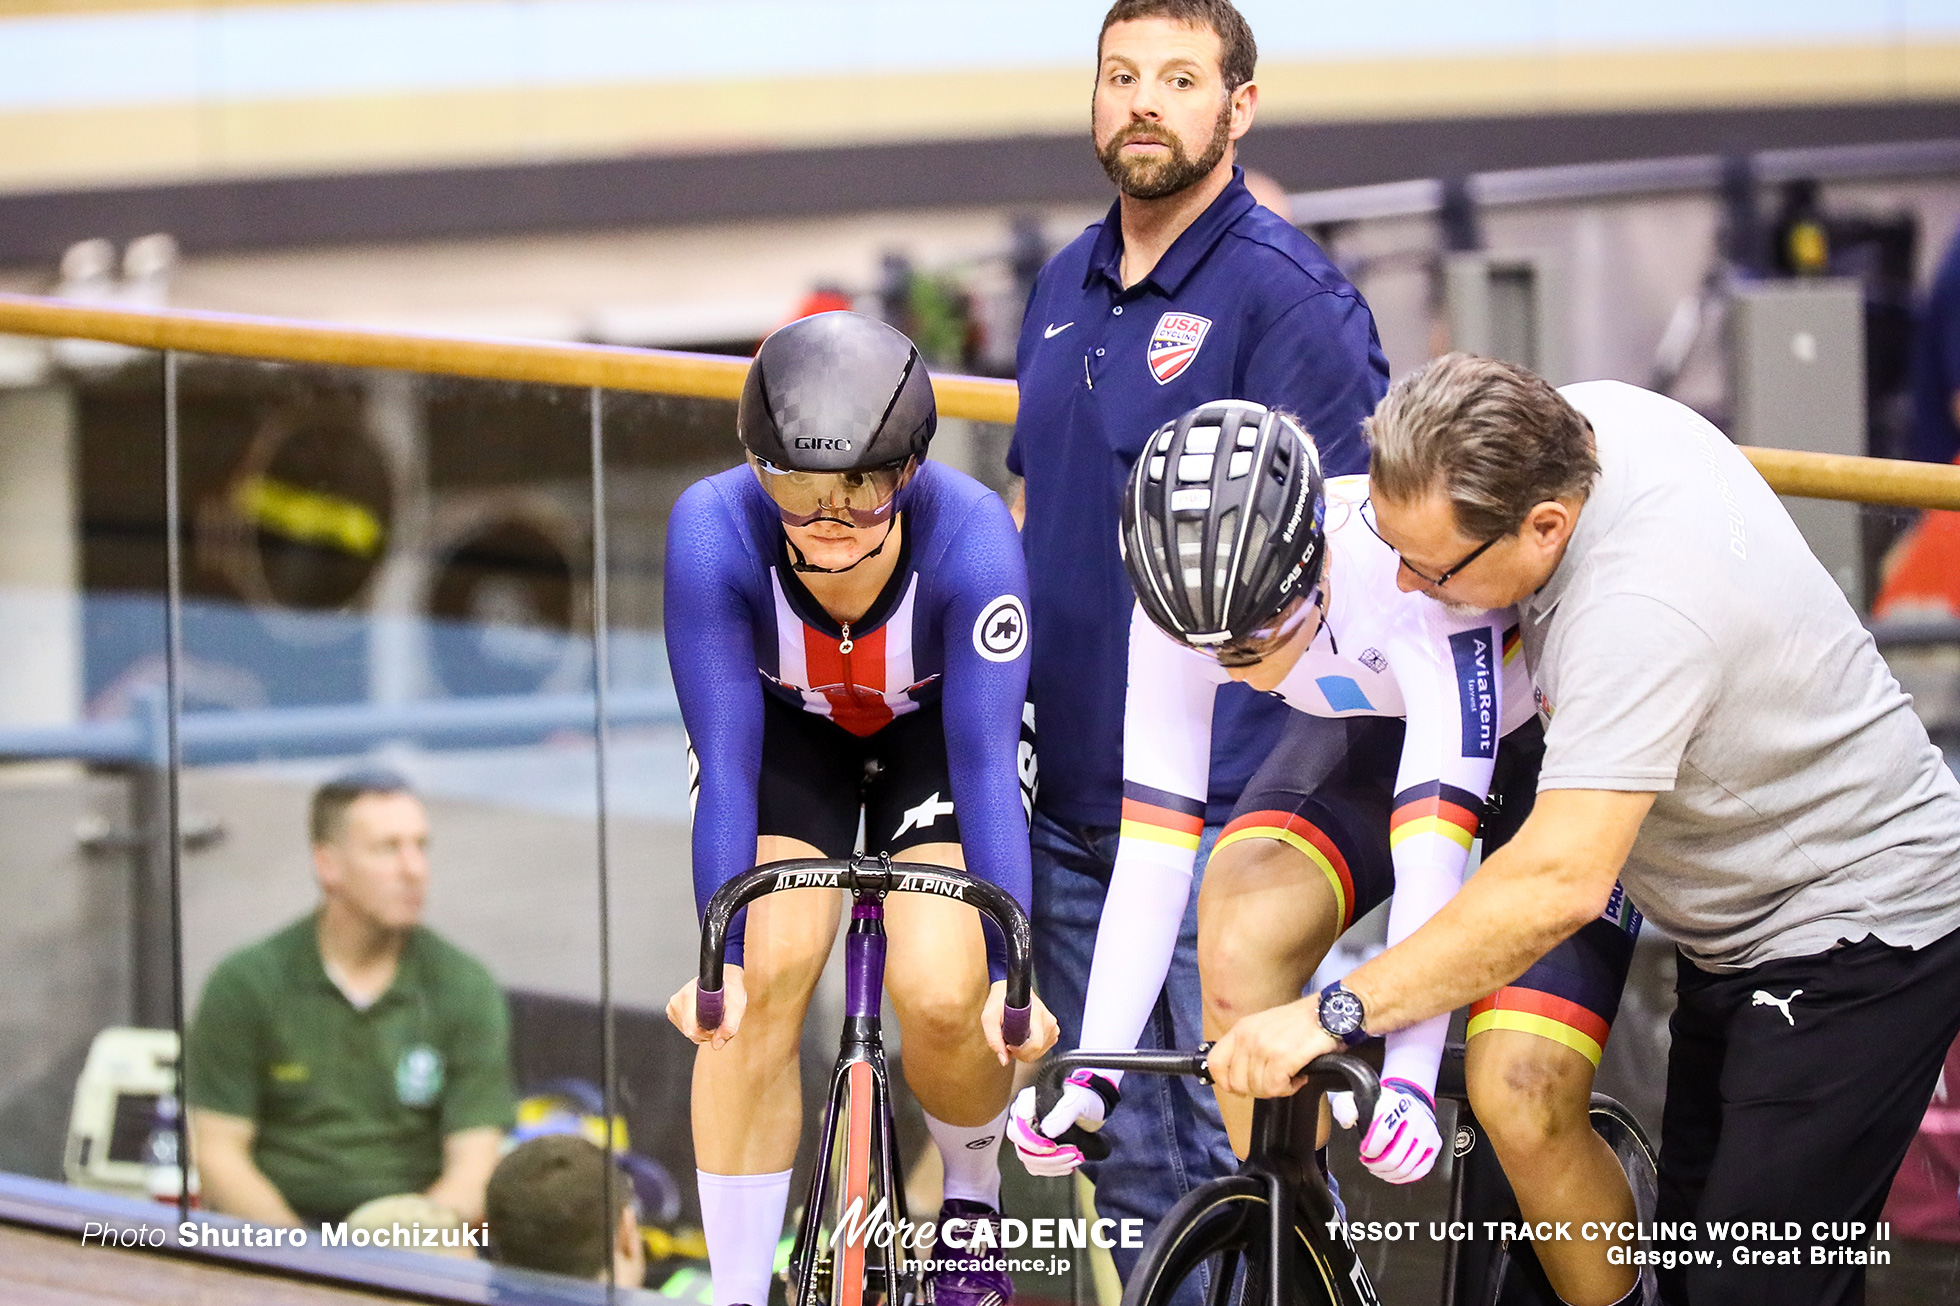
837,392
1224,521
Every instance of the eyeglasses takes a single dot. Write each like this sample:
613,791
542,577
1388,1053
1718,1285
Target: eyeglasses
1449,573
1256,646
860,499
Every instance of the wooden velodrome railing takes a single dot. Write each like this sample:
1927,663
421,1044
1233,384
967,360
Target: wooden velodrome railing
708,376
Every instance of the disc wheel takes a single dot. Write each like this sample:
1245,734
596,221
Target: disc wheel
1516,1278
1622,1132
1225,1223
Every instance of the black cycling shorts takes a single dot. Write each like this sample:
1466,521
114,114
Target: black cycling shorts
817,777
1328,790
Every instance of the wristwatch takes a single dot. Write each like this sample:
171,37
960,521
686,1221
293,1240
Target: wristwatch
1341,1014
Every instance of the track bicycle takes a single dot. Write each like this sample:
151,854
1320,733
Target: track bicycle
857,1186
1268,1226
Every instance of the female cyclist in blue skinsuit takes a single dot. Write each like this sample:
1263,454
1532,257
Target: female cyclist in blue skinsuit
848,633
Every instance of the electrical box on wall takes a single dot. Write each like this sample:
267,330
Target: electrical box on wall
1797,381
1508,306
122,1127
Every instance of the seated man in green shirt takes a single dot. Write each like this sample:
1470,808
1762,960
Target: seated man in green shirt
354,1054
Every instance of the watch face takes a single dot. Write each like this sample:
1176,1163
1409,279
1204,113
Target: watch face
1340,1012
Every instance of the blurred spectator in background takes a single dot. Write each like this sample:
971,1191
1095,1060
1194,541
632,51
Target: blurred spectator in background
354,1054
1925,1198
1921,576
1936,366
547,1209
1269,193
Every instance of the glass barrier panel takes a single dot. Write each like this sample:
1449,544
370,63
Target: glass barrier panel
655,447
390,888
88,1048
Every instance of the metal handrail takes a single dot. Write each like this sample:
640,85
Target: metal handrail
1807,475
1916,632
1571,183
608,367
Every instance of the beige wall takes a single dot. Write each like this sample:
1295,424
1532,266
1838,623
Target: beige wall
103,145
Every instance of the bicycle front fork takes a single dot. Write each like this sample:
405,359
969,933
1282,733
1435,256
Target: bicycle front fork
1284,1130
855,1245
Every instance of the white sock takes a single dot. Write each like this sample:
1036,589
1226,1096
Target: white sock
742,1217
972,1157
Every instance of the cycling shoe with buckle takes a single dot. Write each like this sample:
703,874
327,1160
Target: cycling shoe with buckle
967,1279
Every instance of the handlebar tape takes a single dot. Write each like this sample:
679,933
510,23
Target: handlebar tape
1014,1022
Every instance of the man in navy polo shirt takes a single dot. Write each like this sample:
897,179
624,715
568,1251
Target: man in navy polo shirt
1187,291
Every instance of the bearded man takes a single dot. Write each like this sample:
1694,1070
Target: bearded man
1187,291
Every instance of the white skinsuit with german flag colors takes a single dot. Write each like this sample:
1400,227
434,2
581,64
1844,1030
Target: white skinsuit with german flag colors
1459,681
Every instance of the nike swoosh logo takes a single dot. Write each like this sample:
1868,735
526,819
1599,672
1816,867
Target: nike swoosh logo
1054,330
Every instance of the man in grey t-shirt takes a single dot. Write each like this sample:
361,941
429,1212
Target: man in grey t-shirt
1722,734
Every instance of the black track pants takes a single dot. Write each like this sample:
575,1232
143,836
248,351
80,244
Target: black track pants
1792,1091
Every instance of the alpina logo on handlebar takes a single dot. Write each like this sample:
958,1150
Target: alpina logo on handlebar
939,884
807,880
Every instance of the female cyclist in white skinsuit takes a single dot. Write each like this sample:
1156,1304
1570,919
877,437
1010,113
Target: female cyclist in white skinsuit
1247,567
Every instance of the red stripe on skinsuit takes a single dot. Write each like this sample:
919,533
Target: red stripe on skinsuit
854,681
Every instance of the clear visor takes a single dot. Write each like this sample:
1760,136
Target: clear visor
860,498
1258,645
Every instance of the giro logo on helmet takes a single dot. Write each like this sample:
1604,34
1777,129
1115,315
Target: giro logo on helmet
820,442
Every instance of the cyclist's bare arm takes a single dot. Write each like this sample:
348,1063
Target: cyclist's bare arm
1553,877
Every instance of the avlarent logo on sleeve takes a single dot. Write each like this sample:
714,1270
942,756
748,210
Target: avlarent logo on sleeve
1477,685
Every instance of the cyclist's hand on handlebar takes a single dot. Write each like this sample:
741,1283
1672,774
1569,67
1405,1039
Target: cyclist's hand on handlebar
1264,1054
1042,1029
1053,1146
1402,1141
735,1000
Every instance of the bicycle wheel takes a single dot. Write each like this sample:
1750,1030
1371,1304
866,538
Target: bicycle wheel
1508,1273
1228,1222
1622,1132
1639,1162
854,1193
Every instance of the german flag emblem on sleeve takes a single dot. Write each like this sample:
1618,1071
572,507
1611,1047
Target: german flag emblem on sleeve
1162,816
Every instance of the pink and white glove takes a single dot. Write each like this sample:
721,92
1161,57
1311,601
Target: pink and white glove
1402,1141
1056,1146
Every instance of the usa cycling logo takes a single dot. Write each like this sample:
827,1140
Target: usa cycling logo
1174,345
1001,631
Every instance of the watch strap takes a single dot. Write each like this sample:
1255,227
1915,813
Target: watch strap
1355,1036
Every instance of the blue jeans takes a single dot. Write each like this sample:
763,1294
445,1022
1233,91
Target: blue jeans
1166,1137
